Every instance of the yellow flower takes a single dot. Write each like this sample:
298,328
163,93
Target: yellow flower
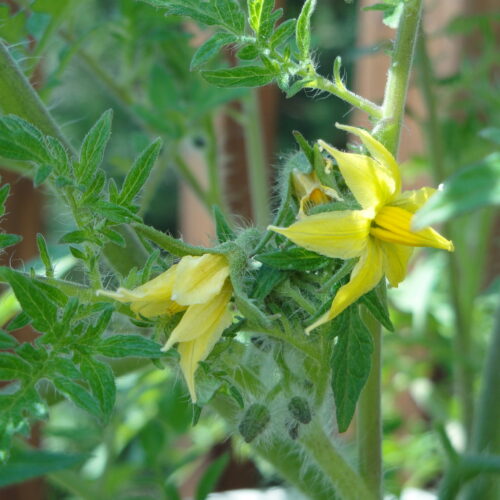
310,191
197,285
380,234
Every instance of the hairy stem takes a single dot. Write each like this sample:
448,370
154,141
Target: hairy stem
388,130
256,160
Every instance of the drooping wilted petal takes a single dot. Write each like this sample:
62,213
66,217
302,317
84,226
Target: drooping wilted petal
365,276
199,279
342,234
370,182
413,200
378,151
393,224
396,259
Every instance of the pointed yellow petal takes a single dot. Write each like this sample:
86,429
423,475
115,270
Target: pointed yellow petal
396,259
365,276
198,279
194,351
200,319
342,234
151,299
378,151
393,224
413,200
371,183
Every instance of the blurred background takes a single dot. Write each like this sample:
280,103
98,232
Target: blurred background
86,56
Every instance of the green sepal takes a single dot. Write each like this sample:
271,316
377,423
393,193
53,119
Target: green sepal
223,229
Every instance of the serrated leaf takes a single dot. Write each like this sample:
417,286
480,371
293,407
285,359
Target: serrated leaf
19,140
139,173
259,17
20,321
7,341
244,76
12,367
64,367
33,301
113,212
93,147
378,309
303,28
470,189
101,380
24,465
114,236
121,346
267,279
42,174
211,48
78,395
293,259
223,229
284,31
7,240
351,362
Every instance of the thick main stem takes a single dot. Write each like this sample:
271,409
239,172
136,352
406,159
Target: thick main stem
388,131
256,161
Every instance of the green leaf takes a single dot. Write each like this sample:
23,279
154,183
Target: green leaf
139,173
211,476
248,52
469,189
4,194
351,363
7,240
113,212
121,346
211,48
297,86
303,28
223,229
19,140
24,465
93,147
79,236
283,33
392,11
114,236
64,367
42,173
378,309
101,380
224,13
7,341
266,280
12,367
293,259
244,76
259,17
78,394
33,301
44,255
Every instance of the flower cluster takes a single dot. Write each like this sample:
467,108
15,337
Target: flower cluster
380,233
199,287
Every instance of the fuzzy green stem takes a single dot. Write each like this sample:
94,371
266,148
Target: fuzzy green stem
486,431
388,130
18,97
347,482
256,160
322,83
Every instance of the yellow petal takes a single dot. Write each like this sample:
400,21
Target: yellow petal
151,299
198,279
378,151
393,224
196,350
201,319
341,234
413,200
396,259
371,183
365,276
